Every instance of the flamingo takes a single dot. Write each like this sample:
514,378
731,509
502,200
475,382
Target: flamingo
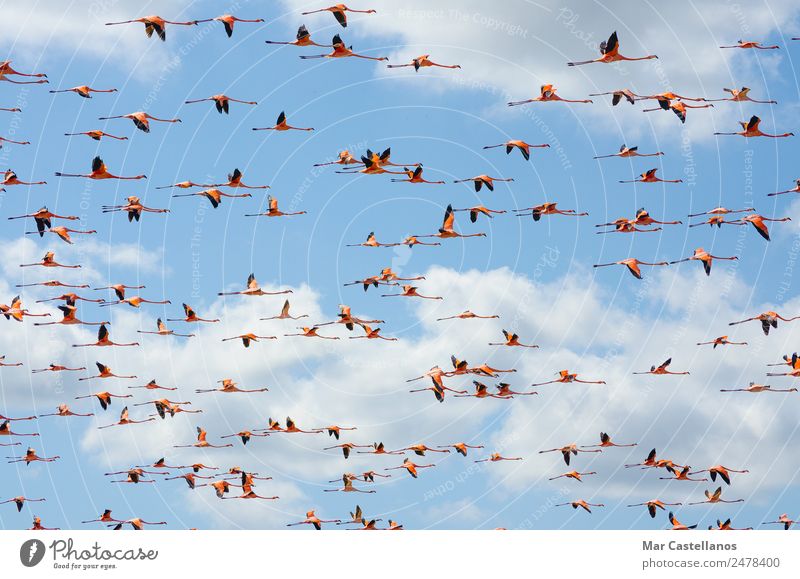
273,210
348,487
191,316
37,526
721,341
347,448
104,372
706,258
124,420
566,377
468,315
164,331
547,93
722,471
220,487
461,447
677,525
410,467
190,478
633,265
56,368
4,364
136,524
767,319
339,12
303,38
335,430
282,125
372,242
152,385
164,406
235,180
10,178
348,320
141,120
605,442
31,456
20,501
410,291
795,189
133,208
134,302
378,448
4,77
64,410
213,195
486,370
312,333
662,369
6,69
650,177
415,176
582,504
372,334
105,398
154,24
713,498
68,318
314,520
751,44
512,340
423,61
623,225
96,135
481,391
750,129
253,289
119,289
5,430
285,315
229,386
183,185
618,95
654,504
522,146
782,520
625,151
343,158
99,172
4,140
609,51
202,442
71,299
84,91
567,451
682,474
446,231
677,107
62,231
249,493
739,95
439,389
412,240
228,21
357,517
649,462
248,338
574,474
759,222
537,211
480,180
43,219
495,457
103,340
726,526
17,312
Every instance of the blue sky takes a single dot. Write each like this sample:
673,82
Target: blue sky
537,276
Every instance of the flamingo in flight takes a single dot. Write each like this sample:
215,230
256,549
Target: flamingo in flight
141,119
522,146
582,504
96,135
57,368
550,208
31,456
84,91
547,93
164,331
103,339
214,196
759,222
17,312
609,52
282,125
677,107
467,315
4,140
706,258
312,333
248,338
134,302
782,520
245,436
423,61
154,24
63,232
191,316
481,391
124,419
7,69
202,442
10,178
618,95
43,219
512,340
739,95
461,447
606,442
71,299
343,158
133,208
339,12
99,172
4,364
768,320
480,180
682,475
274,211
64,410
567,451
152,385
726,526
228,21
758,388
415,176
229,387
104,372
625,151
662,369
573,474
496,457
751,129
183,185
410,467
654,504
105,398
372,242
715,497
235,180
633,265
221,102
795,189
751,44
20,501
4,77
566,377
5,430
313,520
446,231
650,177
303,38
677,525
348,487
721,341
253,289
136,524
69,318
285,315
410,291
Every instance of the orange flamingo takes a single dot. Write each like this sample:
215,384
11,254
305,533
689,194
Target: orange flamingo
253,289
467,315
706,258
273,210
56,368
124,419
214,196
372,242
495,457
715,497
31,456
347,447
84,91
4,140
582,504
343,158
43,219
136,524
133,208
202,442
410,291
314,520
17,312
751,44
96,135
190,478
134,302
248,338
303,38
104,372
547,93
5,430
795,189
662,369
4,364
566,377
282,125
415,176
6,69
105,398
480,180
71,299
284,315
20,501
461,447
412,240
481,391
228,21
618,95
183,185
512,339
62,231
750,129
372,334
677,107
103,340
235,180
312,333
191,316
739,95
573,474
606,442
141,120
567,451
782,520
164,331
757,388
119,289
64,410
625,151
69,318
339,12
654,504
726,526
348,487
410,467
759,222
446,231
677,525
522,146
4,77
682,474
378,448
229,386
423,61
152,385
154,24
477,210
649,462
537,211
650,177
721,341
99,172
10,178
37,526
768,320
633,265
609,52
